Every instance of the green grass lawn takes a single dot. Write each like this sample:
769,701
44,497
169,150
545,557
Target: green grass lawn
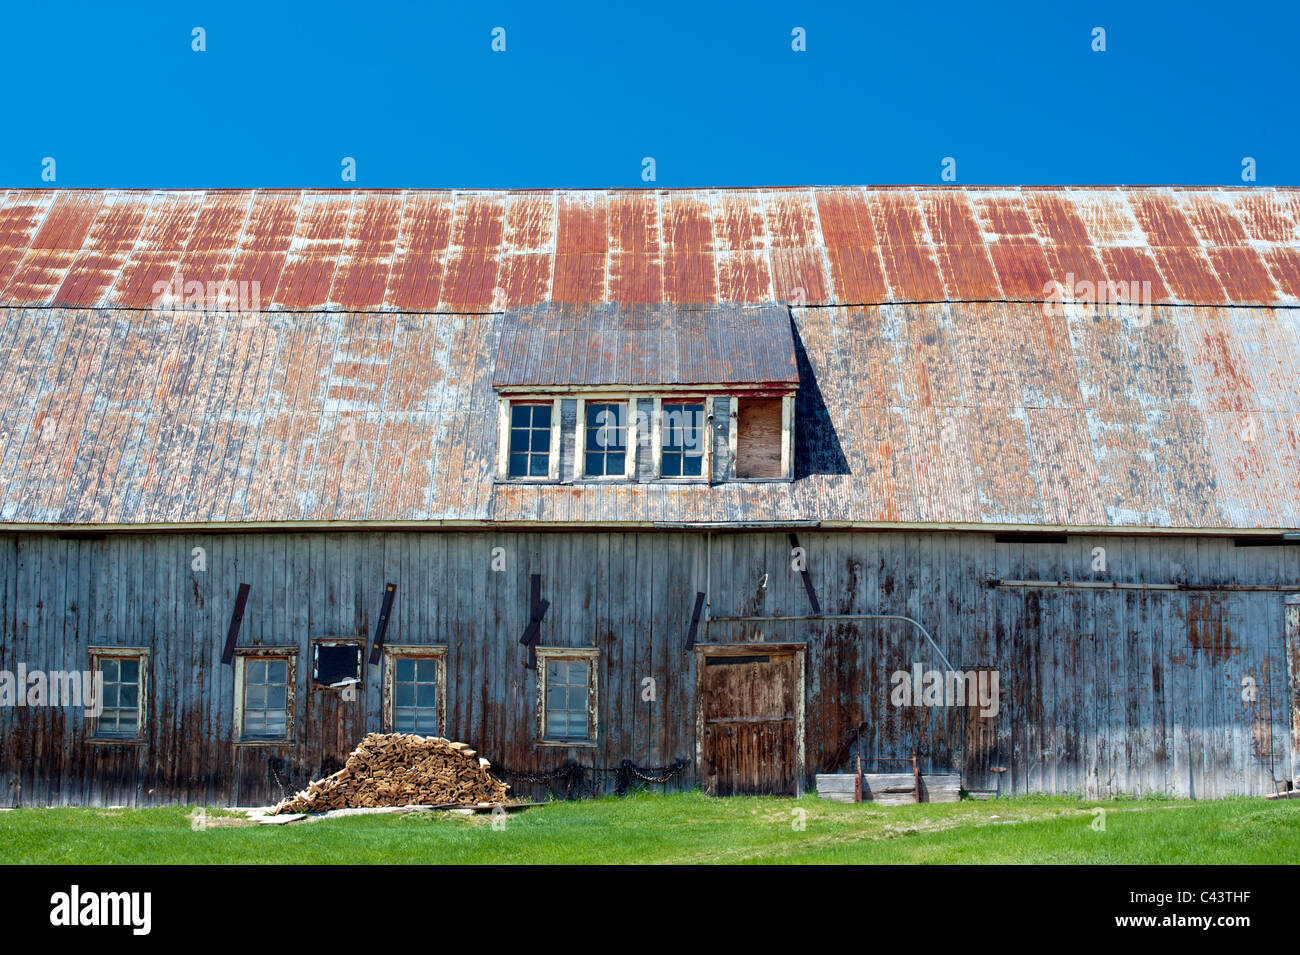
685,828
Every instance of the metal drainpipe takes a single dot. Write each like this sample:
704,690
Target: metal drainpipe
708,581
844,616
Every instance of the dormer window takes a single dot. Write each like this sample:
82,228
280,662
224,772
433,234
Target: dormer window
762,438
604,439
646,393
683,445
530,439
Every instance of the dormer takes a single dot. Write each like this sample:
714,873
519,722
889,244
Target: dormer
645,394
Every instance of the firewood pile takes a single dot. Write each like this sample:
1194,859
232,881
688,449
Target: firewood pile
401,769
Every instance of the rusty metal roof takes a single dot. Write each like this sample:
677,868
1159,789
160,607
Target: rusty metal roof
477,251
362,388
942,414
642,345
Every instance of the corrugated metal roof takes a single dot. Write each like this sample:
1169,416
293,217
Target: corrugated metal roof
995,414
581,345
456,252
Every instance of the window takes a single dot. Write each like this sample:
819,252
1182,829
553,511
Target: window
121,672
605,439
415,690
762,438
530,440
567,696
264,692
682,431
336,662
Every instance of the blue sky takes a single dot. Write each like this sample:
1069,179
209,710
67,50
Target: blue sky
584,92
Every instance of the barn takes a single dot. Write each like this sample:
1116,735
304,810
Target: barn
670,488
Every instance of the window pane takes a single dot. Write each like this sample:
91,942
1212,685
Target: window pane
553,671
404,694
129,671
278,671
127,695
426,723
519,441
426,694
578,671
578,698
404,670
615,462
537,465
519,415
594,466
578,725
276,722
110,694
255,671
556,724
404,720
541,441
518,465
672,465
693,465
427,671
556,697
277,697
109,669
255,696
542,416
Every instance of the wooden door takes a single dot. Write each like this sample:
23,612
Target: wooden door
334,717
750,719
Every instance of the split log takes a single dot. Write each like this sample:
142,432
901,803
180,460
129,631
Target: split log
401,769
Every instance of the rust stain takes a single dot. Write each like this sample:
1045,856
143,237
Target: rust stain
1207,632
372,350
427,250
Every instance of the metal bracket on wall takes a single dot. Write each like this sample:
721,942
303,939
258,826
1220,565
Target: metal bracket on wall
381,628
236,618
536,611
807,580
695,621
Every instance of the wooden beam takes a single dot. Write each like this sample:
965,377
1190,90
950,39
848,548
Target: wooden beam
787,437
536,611
503,436
695,621
236,618
807,580
381,628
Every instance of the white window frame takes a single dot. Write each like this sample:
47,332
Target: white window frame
706,429
592,656
242,656
580,437
357,642
394,653
503,437
139,654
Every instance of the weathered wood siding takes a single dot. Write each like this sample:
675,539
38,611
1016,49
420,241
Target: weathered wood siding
1110,691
